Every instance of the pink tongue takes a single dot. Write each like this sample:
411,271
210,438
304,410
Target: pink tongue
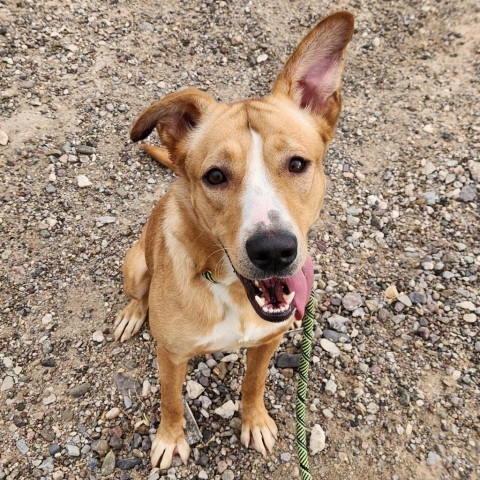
301,283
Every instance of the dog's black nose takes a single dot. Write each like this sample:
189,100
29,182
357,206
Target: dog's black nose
272,251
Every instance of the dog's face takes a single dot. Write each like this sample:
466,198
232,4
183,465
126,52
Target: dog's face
254,168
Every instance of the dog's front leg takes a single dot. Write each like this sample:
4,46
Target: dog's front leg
258,428
170,437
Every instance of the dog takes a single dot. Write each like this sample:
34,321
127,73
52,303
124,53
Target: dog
250,184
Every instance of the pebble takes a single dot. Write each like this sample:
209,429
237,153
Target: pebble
405,299
433,458
330,387
7,384
339,323
262,58
286,457
85,150
418,298
101,447
228,475
391,292
233,357
352,301
467,194
72,450
474,168
470,317
98,336
317,439
329,347
128,463
83,181
194,389
50,399
79,390
3,138
112,413
108,464
22,446
288,360
227,410
106,219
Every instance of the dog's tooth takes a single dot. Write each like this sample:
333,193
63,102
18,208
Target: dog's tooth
288,298
256,283
260,300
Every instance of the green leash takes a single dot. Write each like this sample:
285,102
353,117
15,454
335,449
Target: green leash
304,367
301,406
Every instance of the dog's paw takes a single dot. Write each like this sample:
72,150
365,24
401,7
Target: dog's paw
166,446
130,320
258,430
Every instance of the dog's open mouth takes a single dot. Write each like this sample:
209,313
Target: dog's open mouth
276,299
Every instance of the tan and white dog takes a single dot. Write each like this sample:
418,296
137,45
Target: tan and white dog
250,185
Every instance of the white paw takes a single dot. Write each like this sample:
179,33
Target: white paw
165,447
259,431
129,320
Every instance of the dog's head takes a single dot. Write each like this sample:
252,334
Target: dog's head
254,167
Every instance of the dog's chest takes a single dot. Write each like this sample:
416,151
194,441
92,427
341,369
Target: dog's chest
232,333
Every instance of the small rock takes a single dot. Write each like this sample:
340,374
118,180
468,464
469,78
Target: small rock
112,413
98,336
7,383
233,357
467,305
108,465
431,197
85,150
467,194
391,292
339,323
50,399
194,389
286,457
262,58
72,450
317,439
329,347
79,390
417,297
405,299
227,410
101,447
433,458
128,463
351,301
474,168
22,446
429,168
330,387
83,181
428,128
54,448
470,317
106,219
288,360
228,475
3,138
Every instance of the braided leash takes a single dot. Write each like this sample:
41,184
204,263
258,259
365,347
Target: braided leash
304,367
301,407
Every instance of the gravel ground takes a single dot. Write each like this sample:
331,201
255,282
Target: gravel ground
394,384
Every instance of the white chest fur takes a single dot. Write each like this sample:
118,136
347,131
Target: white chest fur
231,333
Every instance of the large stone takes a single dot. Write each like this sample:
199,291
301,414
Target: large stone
227,410
194,389
79,390
317,440
351,301
108,465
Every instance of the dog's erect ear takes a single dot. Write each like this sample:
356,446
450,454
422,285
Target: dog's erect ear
174,116
312,75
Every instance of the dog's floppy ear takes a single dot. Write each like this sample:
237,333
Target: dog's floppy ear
174,116
312,75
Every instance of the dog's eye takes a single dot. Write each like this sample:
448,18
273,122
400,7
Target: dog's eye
297,165
215,177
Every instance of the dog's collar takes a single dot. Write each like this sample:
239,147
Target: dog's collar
208,275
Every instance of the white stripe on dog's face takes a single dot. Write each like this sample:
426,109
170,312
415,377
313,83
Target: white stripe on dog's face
262,207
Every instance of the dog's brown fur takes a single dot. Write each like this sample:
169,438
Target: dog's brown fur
194,226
